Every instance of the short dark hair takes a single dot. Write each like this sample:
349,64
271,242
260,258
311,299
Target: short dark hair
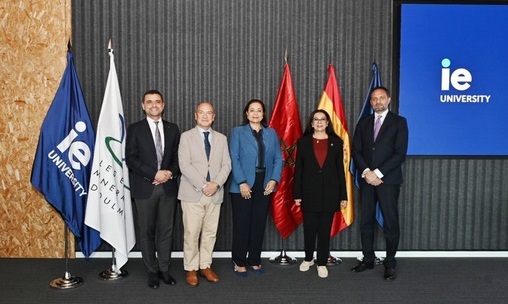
150,92
263,121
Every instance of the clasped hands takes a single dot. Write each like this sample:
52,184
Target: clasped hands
162,176
372,179
343,204
210,188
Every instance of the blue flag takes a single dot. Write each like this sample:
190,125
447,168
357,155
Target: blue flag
63,160
366,111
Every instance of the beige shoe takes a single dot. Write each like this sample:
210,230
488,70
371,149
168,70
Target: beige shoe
322,271
305,266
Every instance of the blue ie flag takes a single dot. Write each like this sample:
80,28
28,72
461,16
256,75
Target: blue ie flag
63,160
366,111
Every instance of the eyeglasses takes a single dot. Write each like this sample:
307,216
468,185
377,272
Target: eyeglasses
319,119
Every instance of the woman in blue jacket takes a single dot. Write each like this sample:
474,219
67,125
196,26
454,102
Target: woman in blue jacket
256,160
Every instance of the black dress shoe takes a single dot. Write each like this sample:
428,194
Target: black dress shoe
153,280
362,267
390,274
167,278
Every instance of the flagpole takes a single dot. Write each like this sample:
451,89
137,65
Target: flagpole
67,281
286,84
113,273
367,110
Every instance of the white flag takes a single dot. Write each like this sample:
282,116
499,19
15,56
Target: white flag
109,207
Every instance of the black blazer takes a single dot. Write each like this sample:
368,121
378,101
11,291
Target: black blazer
141,158
320,189
389,150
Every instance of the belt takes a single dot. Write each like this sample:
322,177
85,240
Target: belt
260,170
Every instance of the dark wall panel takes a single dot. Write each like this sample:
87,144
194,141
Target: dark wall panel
229,52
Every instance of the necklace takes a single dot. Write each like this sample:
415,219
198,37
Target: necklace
318,140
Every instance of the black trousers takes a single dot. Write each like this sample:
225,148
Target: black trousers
388,196
317,224
249,222
156,220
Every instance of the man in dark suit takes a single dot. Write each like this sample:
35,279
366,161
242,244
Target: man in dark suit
379,149
152,157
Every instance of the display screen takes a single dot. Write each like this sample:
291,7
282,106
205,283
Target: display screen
453,78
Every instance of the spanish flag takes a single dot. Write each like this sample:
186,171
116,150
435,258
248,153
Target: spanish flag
331,102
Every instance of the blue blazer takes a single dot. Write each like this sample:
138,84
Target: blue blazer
244,153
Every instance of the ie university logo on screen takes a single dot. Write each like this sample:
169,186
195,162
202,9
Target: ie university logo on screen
458,80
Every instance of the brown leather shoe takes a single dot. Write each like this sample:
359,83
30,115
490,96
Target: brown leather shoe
192,278
209,275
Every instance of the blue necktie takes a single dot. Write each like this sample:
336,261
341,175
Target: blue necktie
207,151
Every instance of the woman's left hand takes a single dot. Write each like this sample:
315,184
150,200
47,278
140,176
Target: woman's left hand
270,187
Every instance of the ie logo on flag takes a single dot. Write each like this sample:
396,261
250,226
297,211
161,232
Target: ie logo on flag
78,150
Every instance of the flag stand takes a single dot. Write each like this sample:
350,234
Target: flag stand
283,259
113,273
333,261
377,261
67,281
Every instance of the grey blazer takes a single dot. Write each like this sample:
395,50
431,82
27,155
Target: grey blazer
194,165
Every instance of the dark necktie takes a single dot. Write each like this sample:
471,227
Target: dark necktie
158,145
207,151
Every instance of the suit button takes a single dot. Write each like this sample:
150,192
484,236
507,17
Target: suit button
319,171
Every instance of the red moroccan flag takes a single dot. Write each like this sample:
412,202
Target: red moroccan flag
286,122
331,102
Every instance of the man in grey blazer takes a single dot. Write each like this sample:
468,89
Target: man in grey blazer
205,164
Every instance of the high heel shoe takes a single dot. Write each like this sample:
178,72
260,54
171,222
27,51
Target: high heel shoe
257,271
240,274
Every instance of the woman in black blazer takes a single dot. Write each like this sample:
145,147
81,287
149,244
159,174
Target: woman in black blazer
319,186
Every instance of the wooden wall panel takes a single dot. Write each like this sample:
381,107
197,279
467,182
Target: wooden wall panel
33,45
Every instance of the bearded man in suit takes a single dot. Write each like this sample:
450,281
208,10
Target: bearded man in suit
379,149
